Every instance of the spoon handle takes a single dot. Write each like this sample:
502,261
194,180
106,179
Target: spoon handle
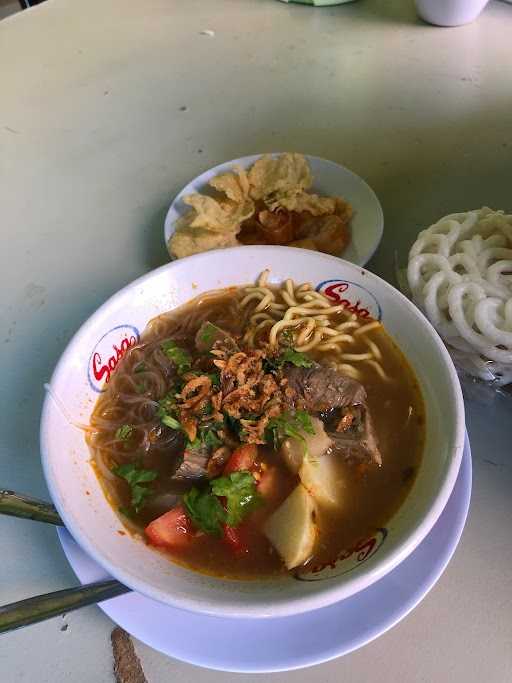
41,607
17,505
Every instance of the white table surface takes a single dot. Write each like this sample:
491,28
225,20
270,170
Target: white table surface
107,108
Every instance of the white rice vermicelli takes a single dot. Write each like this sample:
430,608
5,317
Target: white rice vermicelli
460,275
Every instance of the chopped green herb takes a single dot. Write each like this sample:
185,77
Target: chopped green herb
207,409
137,478
139,496
289,355
271,364
211,439
167,403
140,387
180,357
296,358
234,425
289,425
304,420
215,379
135,475
124,432
208,332
208,436
239,490
141,367
166,406
205,510
171,422
195,444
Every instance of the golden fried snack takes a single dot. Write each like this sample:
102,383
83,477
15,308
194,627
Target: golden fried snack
273,178
268,204
188,240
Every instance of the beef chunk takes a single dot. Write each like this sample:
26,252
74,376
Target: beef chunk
194,465
354,437
324,389
341,403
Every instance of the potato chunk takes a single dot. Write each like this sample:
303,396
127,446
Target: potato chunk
321,479
292,528
315,445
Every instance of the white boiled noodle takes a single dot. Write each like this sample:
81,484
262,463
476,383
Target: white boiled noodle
460,275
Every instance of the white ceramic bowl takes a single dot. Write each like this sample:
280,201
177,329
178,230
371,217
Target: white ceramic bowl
329,179
94,351
450,12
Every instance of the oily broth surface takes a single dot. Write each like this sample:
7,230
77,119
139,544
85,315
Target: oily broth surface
370,496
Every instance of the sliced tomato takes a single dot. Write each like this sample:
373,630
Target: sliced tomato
236,539
171,530
243,458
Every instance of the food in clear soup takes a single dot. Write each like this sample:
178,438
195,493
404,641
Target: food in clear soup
258,430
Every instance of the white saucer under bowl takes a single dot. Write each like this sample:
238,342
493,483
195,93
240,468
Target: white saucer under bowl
329,179
282,644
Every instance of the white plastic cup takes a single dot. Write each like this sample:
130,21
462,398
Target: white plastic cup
450,12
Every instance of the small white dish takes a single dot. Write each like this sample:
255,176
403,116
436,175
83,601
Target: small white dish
450,12
270,645
95,351
329,179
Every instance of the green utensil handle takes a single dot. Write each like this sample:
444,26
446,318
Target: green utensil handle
41,607
18,505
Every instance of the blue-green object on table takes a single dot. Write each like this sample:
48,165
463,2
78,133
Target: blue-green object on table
320,3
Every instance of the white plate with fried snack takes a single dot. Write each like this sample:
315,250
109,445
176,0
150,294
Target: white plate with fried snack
290,199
